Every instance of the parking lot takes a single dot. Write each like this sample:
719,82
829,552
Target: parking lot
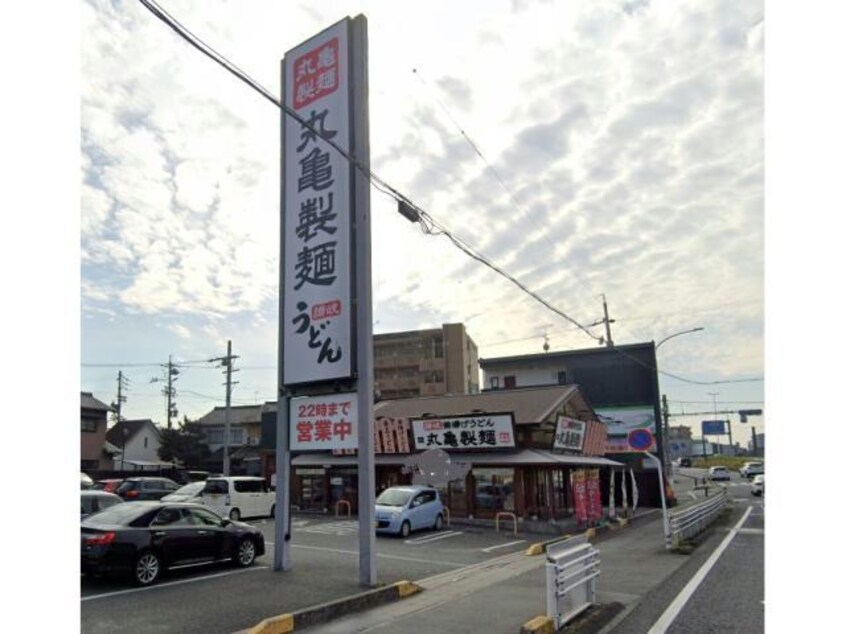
324,556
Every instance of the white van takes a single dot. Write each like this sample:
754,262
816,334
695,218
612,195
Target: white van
238,496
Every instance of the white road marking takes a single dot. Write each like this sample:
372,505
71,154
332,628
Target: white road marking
683,597
432,538
751,531
487,550
171,583
346,527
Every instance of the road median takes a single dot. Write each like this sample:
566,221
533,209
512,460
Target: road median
294,621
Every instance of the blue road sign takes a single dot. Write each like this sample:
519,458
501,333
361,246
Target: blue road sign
713,428
640,439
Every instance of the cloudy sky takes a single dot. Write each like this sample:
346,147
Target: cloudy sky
622,154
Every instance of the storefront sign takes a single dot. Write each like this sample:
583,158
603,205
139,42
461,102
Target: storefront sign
317,211
495,431
569,434
321,423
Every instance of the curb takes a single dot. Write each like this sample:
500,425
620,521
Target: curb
284,623
591,533
539,625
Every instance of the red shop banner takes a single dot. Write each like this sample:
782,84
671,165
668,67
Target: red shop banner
594,501
578,482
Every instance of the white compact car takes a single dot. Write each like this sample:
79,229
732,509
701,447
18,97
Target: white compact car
718,473
758,485
238,496
750,469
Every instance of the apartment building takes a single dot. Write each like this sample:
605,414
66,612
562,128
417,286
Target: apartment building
430,362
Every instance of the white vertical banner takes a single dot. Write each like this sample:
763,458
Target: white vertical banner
625,494
612,508
634,491
317,320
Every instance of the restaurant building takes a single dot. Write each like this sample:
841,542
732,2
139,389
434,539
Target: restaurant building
512,450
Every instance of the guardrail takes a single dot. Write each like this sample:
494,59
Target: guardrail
571,571
695,518
505,514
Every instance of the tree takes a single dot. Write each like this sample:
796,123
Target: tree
184,444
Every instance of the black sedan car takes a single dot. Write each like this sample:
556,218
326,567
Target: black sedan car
146,538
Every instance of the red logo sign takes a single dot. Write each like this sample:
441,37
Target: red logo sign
316,74
326,310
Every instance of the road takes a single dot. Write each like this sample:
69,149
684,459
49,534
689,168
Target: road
721,588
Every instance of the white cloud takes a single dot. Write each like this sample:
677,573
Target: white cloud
630,134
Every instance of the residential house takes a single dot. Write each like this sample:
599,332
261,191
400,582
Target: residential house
94,416
139,442
244,438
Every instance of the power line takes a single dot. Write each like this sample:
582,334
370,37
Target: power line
406,206
502,182
429,224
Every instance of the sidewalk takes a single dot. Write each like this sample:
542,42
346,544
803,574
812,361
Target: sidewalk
500,595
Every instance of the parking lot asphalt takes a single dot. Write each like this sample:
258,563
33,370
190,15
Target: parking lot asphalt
324,559
490,580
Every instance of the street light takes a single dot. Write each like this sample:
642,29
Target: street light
666,432
683,332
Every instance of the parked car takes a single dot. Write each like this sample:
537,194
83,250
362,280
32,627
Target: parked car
758,485
92,501
403,509
239,496
146,538
110,485
188,493
146,488
86,481
685,462
719,473
750,469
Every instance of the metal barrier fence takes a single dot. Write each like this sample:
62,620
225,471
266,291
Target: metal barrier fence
692,520
571,572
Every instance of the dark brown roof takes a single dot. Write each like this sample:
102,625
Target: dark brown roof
87,401
116,436
530,405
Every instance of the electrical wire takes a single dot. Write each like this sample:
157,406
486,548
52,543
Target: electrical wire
429,225
502,182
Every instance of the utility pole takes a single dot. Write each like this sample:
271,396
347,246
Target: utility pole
607,340
172,372
714,396
123,383
666,434
226,363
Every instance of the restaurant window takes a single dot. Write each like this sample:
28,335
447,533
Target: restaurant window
494,490
562,378
495,382
510,382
